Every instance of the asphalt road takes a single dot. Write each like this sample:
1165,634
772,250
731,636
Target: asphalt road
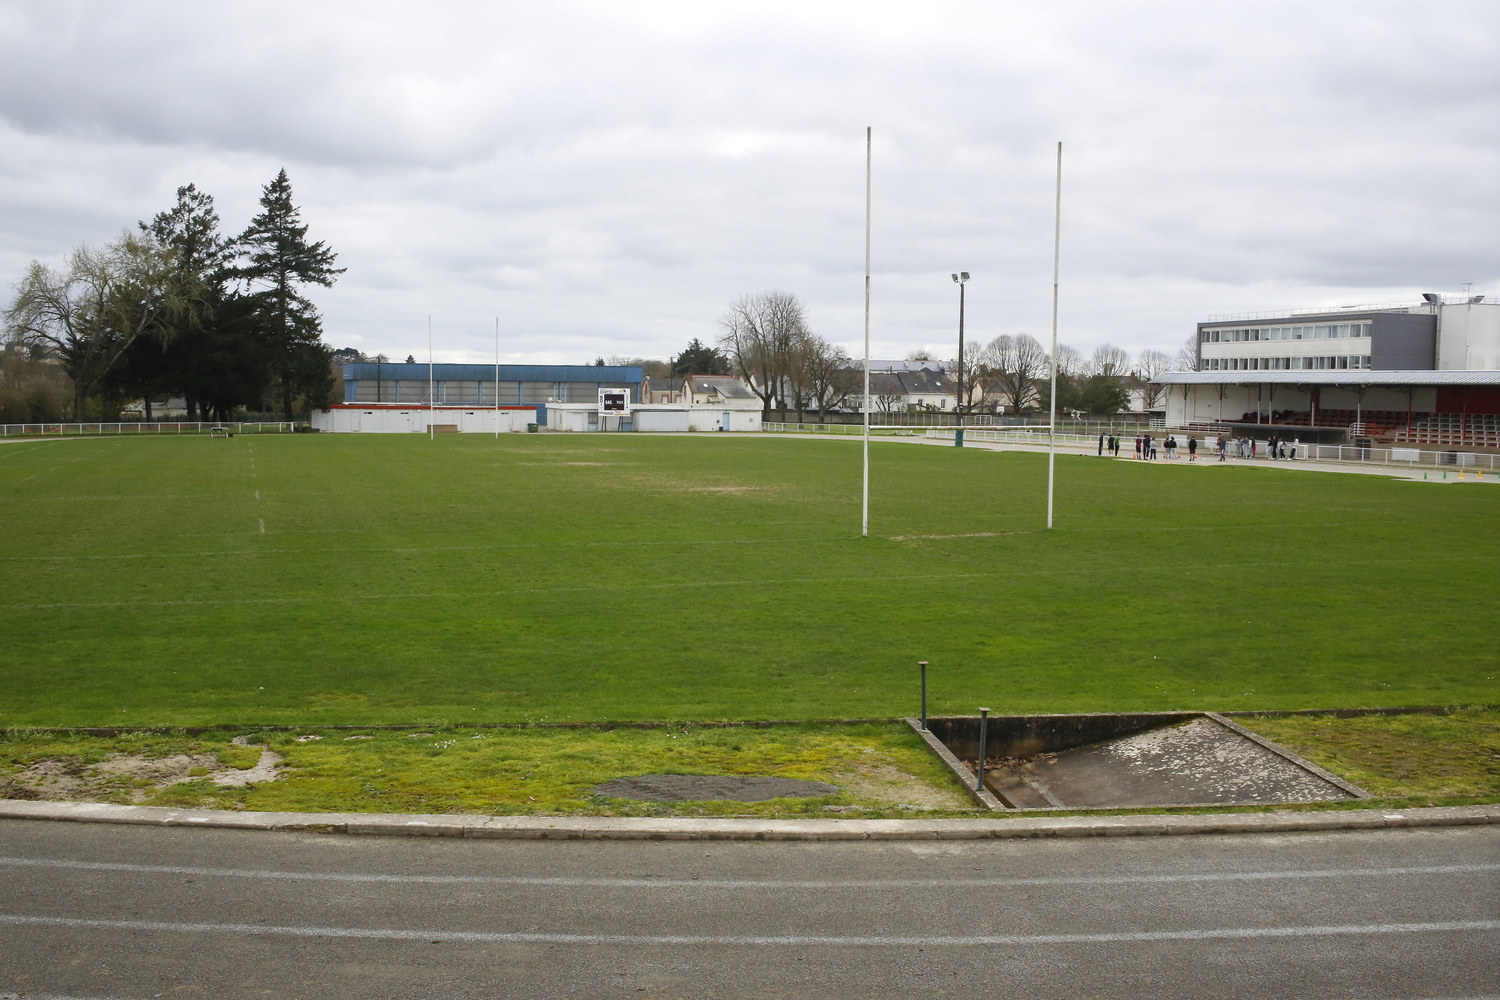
92,911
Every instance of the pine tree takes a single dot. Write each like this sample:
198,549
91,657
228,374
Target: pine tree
280,261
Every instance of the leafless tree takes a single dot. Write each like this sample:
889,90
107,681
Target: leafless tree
90,311
760,333
1187,355
1152,363
1015,364
831,374
1069,361
1109,361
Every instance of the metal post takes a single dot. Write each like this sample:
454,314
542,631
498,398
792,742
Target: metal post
1052,419
497,378
958,437
864,528
431,396
984,736
923,665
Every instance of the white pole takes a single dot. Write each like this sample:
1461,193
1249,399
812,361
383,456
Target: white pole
1052,417
431,408
497,378
865,507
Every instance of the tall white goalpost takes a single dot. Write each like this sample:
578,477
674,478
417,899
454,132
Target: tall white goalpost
497,378
1052,408
865,506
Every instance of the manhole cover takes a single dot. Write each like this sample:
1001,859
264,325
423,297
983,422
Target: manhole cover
704,787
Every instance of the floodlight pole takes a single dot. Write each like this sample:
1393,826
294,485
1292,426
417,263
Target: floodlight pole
1052,407
865,502
431,393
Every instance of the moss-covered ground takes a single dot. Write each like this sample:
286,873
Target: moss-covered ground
880,769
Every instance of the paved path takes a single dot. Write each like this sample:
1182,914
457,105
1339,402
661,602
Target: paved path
132,912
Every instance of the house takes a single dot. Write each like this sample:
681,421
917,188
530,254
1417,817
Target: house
724,391
909,391
662,389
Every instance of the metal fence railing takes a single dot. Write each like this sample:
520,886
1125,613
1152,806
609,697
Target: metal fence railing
93,427
1395,458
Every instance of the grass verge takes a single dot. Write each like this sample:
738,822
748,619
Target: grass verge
880,769
883,771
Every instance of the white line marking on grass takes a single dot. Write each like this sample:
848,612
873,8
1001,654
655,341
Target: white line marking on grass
501,593
753,940
729,883
409,549
263,531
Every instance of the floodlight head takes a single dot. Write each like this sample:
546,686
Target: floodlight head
1431,298
955,277
964,275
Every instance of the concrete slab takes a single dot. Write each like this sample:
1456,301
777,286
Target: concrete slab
1195,761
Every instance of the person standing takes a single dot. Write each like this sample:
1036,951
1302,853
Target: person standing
1137,447
1192,448
1222,448
1101,445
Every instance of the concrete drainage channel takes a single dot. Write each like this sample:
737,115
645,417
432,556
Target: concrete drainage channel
1125,760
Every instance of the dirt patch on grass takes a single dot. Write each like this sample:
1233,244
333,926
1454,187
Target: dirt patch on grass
712,788
888,783
133,777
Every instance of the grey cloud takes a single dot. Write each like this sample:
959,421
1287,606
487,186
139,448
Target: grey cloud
606,178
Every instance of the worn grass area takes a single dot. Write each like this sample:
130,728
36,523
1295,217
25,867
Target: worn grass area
1421,759
314,579
880,770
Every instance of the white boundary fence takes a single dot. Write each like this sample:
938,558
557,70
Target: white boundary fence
1394,458
90,427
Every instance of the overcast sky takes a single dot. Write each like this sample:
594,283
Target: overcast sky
605,177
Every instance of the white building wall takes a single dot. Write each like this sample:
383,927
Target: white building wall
414,420
1469,337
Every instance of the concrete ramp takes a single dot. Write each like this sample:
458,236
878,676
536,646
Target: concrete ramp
1171,759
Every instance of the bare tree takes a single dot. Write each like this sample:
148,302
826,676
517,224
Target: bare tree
1016,363
88,313
1109,361
1152,364
831,374
760,333
1069,361
1187,356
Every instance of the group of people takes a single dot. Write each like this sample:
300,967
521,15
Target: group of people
1145,447
1277,448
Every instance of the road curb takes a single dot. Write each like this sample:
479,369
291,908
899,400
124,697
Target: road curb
999,827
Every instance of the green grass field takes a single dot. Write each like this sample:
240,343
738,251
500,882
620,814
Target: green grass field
313,578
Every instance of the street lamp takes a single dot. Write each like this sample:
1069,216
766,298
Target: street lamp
960,279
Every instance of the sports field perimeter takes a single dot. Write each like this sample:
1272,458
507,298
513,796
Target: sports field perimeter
366,579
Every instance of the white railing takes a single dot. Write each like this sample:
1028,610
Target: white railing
94,427
854,430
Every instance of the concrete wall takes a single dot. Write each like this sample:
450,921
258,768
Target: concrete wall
655,418
415,420
1469,337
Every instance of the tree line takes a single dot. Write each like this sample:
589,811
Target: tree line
766,338
176,308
